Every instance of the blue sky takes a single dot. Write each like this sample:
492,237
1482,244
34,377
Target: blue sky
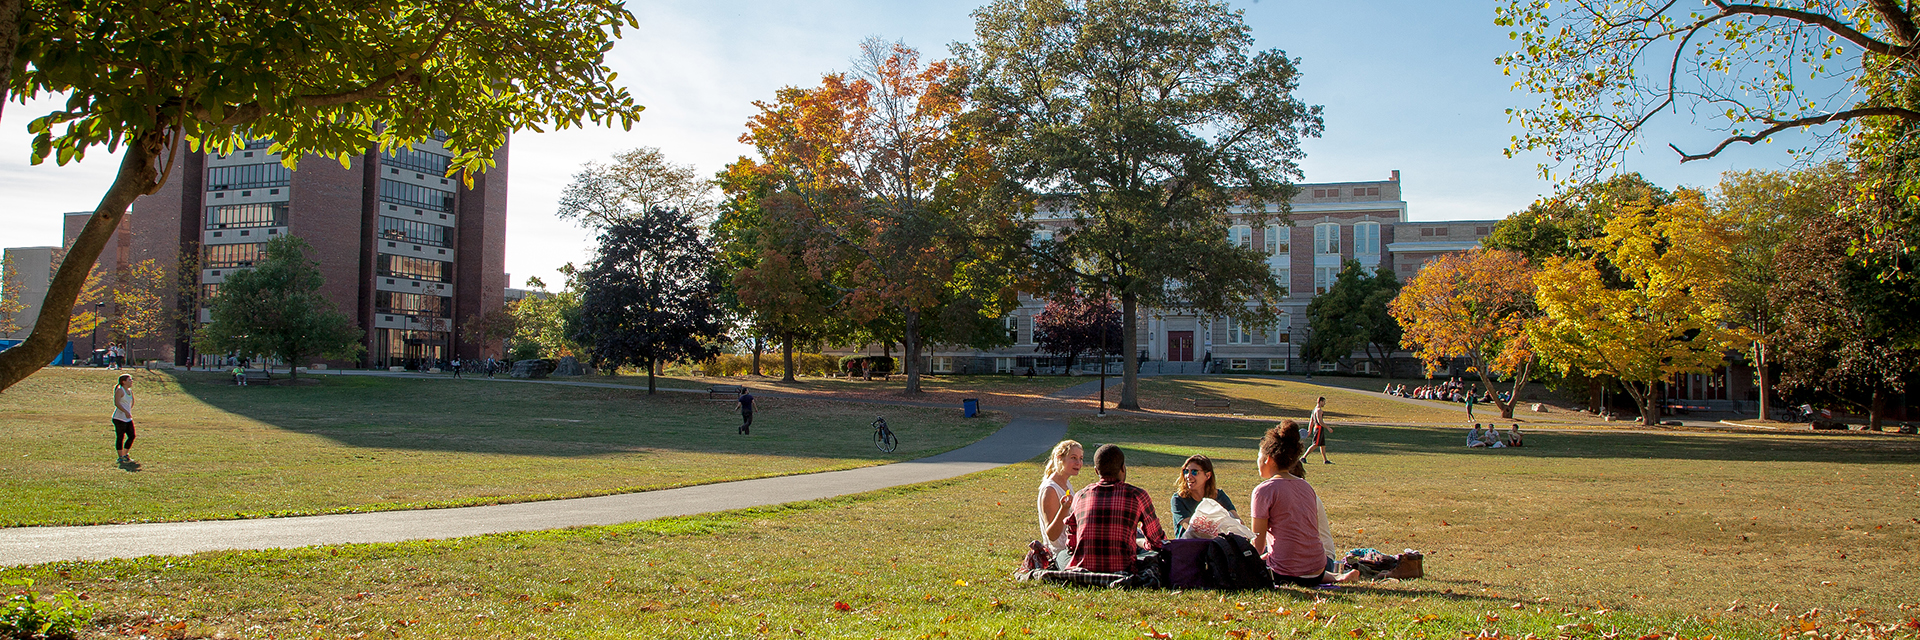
1406,85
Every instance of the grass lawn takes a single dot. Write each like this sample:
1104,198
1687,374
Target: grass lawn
1285,397
991,390
355,443
1590,535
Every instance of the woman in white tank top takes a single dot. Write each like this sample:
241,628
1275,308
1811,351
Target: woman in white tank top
1056,494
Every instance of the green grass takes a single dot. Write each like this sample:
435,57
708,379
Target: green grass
1285,397
1589,535
991,390
356,443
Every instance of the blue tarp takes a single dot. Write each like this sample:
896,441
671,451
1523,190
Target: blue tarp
65,358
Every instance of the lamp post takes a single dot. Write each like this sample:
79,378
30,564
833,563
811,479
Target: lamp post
94,339
1103,367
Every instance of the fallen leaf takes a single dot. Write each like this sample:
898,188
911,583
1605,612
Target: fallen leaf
959,583
842,606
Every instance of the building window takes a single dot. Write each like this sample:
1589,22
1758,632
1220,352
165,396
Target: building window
1003,365
1013,328
1241,236
248,176
1275,244
415,195
1481,231
1326,238
1237,332
1285,276
1277,364
943,364
416,268
1237,364
422,161
1329,366
226,256
1364,366
1042,235
1319,193
420,232
409,304
1366,238
233,216
1323,278
1440,231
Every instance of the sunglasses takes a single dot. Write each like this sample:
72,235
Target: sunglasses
1190,472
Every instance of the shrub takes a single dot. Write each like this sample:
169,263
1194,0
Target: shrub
28,615
804,364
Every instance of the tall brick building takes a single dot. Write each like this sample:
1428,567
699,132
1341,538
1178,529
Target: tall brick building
406,253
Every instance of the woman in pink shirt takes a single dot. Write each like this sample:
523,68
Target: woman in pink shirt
1289,523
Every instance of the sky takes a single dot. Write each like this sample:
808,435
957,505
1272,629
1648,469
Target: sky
1406,85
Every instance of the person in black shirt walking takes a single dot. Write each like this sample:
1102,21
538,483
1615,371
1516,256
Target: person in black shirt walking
746,412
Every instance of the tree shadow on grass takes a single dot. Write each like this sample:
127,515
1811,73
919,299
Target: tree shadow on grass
500,417
1221,435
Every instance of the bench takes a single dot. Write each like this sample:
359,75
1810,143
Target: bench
256,375
727,392
1212,403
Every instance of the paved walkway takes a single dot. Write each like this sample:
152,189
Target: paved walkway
1023,438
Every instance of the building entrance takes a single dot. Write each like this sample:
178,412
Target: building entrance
1180,346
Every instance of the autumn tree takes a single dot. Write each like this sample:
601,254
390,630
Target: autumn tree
636,182
331,78
540,320
1074,324
1665,316
650,294
11,301
1140,123
1564,224
1352,316
1604,69
769,281
495,326
140,298
276,309
1475,305
884,188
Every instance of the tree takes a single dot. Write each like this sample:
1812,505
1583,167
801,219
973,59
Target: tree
496,325
637,181
1142,121
1477,305
1564,224
140,299
332,78
1074,324
1352,316
1605,68
889,194
1837,333
1767,208
276,309
1666,319
11,302
650,295
541,319
769,280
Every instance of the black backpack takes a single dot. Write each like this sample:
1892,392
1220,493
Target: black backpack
1233,563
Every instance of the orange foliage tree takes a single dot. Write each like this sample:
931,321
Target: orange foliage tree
1474,305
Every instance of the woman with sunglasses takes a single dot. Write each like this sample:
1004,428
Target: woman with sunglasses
1196,484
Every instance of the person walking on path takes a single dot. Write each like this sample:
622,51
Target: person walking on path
456,366
123,418
1469,404
1317,425
746,412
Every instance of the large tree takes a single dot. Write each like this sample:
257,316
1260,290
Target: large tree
771,285
637,181
332,78
1074,324
140,296
650,296
1352,316
890,197
276,309
1477,305
1141,123
1604,69
1664,318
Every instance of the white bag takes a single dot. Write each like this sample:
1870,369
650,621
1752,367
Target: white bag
1210,520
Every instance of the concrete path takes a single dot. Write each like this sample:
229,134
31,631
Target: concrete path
1022,439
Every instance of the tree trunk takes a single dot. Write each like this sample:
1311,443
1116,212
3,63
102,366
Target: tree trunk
650,371
1596,398
759,344
1644,398
11,12
1760,368
1130,356
137,176
1071,357
786,357
1877,410
1506,408
910,343
1519,384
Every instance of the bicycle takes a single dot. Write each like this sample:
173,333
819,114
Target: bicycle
883,437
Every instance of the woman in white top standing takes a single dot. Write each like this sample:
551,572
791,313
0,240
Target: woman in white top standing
1056,490
123,418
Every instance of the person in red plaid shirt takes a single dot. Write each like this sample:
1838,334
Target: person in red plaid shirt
1100,530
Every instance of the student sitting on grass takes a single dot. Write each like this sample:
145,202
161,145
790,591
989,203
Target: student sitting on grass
1055,500
1106,515
1473,437
1289,522
1196,484
1513,436
1491,438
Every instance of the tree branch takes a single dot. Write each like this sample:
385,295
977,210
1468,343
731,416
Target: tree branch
1778,126
1825,21
1897,20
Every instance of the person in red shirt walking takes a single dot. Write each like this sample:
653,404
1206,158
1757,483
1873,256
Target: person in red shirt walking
1101,529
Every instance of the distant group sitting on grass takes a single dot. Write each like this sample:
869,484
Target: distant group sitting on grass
1492,439
1449,391
1103,533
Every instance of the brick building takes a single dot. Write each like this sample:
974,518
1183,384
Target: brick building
407,253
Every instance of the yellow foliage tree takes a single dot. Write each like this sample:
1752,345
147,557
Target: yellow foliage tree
1474,305
1648,306
141,299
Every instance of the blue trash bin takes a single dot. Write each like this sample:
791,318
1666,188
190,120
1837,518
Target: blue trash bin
970,407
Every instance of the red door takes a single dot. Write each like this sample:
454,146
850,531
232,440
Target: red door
1180,346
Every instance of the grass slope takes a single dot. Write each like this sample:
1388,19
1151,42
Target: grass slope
1601,536
352,443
